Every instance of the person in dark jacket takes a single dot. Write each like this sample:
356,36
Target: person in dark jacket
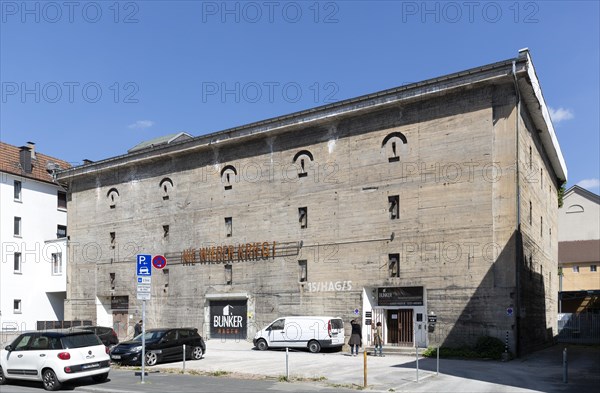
355,338
137,329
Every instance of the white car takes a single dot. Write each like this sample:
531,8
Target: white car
53,357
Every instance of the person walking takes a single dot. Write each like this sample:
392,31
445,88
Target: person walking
137,329
355,338
378,339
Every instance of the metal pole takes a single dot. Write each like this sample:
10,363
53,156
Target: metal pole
365,369
184,358
565,367
437,368
287,364
417,355
143,341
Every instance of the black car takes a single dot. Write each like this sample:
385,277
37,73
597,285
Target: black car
161,345
107,335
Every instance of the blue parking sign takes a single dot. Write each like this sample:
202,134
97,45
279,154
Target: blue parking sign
144,265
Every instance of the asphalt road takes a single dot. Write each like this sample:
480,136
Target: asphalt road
124,381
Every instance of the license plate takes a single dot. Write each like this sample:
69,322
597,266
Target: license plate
91,365
115,356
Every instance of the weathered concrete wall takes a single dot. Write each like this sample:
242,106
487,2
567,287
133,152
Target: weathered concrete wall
455,233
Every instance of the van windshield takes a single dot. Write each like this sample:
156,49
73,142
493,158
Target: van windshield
337,324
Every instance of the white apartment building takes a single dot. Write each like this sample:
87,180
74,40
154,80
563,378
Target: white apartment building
33,234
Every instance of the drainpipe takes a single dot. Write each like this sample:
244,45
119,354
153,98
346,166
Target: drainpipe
518,239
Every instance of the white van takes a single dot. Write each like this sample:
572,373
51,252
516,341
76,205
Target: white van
313,333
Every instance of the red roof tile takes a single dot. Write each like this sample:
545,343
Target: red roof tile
10,163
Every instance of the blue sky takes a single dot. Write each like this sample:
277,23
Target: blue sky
92,79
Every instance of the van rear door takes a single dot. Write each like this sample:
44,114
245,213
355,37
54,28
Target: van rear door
335,328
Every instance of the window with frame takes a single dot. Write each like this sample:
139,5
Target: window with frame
394,265
17,226
593,268
61,231
228,274
17,190
228,226
302,270
17,262
62,200
575,269
57,263
17,306
303,217
394,207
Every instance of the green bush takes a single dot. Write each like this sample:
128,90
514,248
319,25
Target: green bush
489,347
485,348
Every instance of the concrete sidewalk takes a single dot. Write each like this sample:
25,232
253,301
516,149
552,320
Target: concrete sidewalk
541,371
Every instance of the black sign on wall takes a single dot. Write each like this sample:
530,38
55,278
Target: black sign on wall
400,296
228,319
119,303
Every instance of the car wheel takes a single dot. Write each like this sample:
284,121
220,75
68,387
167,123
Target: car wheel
100,377
314,346
151,358
3,380
197,353
262,345
50,380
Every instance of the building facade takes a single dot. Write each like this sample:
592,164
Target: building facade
579,251
33,232
418,207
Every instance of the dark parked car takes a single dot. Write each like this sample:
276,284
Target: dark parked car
161,345
107,335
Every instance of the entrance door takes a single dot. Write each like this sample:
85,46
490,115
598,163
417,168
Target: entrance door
400,327
228,319
120,323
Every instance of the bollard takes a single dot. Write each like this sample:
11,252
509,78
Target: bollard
437,366
565,367
417,355
365,369
184,358
287,364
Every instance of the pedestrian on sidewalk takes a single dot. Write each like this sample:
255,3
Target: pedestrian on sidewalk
355,338
378,339
137,329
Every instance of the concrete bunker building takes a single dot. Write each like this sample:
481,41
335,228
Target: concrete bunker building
435,201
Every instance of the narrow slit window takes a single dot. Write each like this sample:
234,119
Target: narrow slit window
228,274
17,191
228,226
17,226
303,217
17,306
394,265
394,207
302,172
113,239
165,231
530,213
302,270
112,277
17,262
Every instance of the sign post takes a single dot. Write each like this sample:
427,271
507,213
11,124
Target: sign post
144,277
